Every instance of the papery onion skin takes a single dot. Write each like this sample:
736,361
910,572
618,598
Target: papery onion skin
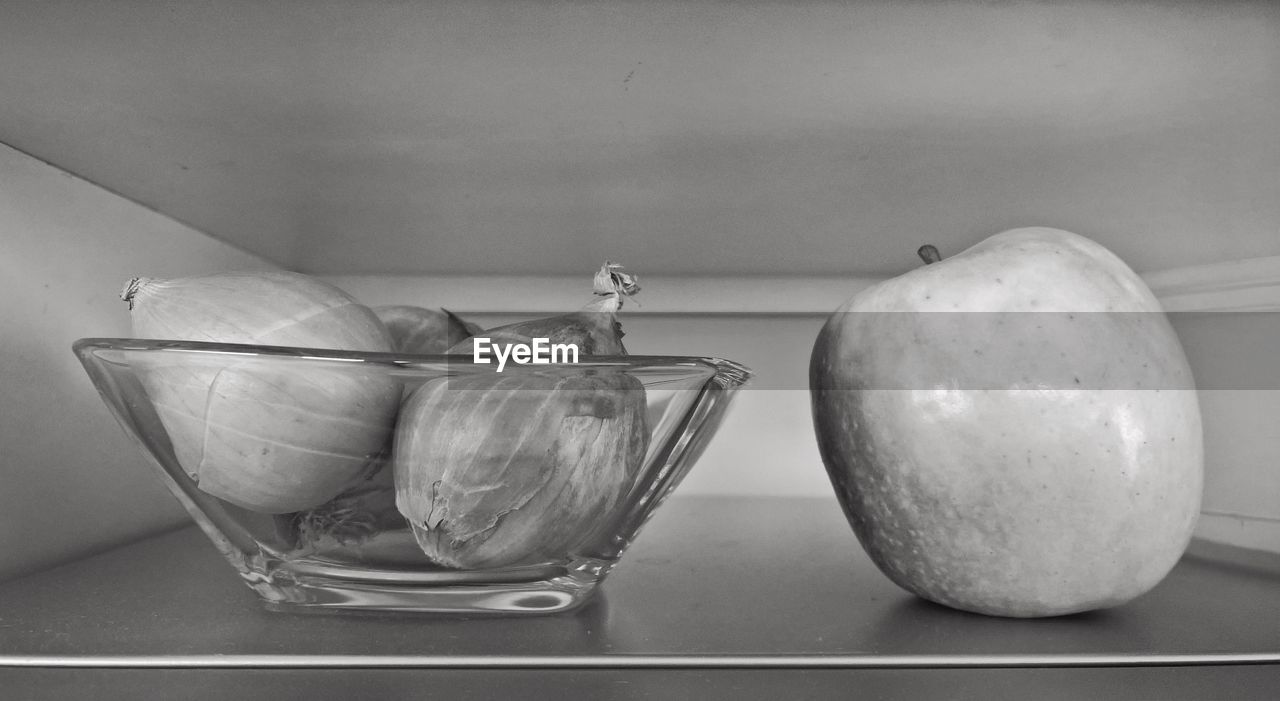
266,308
363,510
593,332
594,329
269,437
423,331
495,471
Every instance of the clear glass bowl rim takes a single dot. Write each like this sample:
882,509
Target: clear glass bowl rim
728,373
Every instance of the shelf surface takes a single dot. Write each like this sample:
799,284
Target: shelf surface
710,583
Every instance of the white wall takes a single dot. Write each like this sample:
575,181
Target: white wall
73,483
801,136
1236,360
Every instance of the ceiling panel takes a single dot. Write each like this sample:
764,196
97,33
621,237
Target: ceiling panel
678,137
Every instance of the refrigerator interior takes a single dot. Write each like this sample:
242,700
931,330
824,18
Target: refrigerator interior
755,163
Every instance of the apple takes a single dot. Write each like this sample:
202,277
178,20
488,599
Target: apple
1013,430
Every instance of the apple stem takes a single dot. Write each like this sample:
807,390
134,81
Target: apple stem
929,254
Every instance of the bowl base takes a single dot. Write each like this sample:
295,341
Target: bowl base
510,598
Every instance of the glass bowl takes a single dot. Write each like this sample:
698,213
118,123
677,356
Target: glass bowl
522,488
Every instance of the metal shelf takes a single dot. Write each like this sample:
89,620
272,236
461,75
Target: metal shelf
715,593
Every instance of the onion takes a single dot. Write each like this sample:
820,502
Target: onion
594,329
272,437
424,331
499,470
493,471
